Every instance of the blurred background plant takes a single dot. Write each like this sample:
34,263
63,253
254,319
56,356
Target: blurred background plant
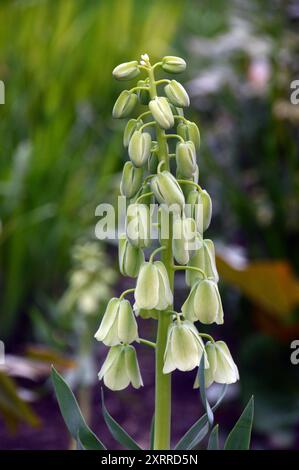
59,158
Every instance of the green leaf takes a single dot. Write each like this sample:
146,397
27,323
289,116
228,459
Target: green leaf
72,415
202,389
119,434
152,434
199,429
239,437
213,443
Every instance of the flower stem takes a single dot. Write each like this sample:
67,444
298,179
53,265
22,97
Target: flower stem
163,381
147,343
128,291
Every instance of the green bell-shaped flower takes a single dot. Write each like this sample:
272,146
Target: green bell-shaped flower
173,64
222,368
204,303
186,159
152,287
189,131
118,324
184,239
184,347
140,147
199,207
138,225
124,104
204,259
177,94
121,368
130,257
126,71
131,180
167,190
161,112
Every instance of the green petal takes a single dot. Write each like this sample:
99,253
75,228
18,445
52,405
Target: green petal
165,293
132,367
185,349
188,306
108,319
127,325
116,377
147,287
206,302
110,358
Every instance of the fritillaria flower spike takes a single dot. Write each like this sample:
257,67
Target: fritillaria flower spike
157,132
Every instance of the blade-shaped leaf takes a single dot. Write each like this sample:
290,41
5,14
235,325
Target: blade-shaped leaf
72,415
152,434
119,434
195,434
213,443
202,389
239,437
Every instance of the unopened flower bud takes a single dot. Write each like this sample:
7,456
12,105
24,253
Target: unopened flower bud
130,257
200,208
118,324
161,112
124,104
173,64
204,303
140,147
222,368
143,95
167,190
204,259
183,239
126,71
138,225
131,180
131,126
189,131
152,288
121,368
186,158
177,94
184,347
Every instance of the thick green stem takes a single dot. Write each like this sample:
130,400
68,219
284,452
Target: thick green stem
163,381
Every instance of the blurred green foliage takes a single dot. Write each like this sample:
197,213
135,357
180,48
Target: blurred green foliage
57,149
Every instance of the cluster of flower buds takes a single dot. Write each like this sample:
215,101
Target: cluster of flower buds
151,177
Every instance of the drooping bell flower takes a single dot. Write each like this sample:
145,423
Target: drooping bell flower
130,257
121,368
204,303
152,287
222,368
204,259
118,324
184,347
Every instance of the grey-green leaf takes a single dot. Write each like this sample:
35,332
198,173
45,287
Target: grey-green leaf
239,437
202,389
119,434
72,415
213,443
199,429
